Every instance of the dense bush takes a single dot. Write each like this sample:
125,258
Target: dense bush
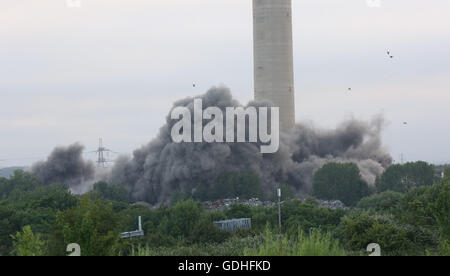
413,223
340,181
358,230
298,215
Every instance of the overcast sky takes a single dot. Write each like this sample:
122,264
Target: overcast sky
113,68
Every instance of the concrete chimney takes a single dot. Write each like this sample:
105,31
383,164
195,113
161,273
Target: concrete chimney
273,57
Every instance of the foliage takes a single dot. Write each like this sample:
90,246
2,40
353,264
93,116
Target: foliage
92,224
385,202
402,178
29,204
232,247
27,244
417,206
316,244
447,172
441,210
358,230
445,248
340,181
412,223
298,215
21,181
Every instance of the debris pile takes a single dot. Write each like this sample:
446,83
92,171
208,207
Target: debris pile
253,202
226,203
332,204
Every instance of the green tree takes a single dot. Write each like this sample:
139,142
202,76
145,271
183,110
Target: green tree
402,178
92,224
336,181
27,244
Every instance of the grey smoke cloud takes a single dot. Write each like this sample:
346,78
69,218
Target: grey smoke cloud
163,167
66,165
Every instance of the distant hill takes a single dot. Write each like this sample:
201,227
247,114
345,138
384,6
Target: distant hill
8,172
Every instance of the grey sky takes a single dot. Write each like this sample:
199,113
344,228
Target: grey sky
113,68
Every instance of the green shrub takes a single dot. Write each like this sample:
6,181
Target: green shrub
358,230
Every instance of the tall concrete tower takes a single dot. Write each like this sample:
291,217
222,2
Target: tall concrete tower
273,57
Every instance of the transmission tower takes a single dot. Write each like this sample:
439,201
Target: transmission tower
101,160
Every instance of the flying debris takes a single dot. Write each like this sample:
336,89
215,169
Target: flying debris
193,85
389,54
405,123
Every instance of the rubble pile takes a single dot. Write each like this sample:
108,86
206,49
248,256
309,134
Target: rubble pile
253,202
226,203
332,204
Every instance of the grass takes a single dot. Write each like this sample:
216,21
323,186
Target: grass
316,244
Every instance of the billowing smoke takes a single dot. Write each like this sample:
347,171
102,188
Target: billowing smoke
162,167
66,165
